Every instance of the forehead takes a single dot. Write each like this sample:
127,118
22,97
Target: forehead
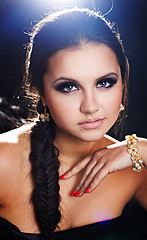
87,59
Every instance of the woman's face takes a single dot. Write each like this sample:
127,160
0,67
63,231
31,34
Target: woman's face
83,90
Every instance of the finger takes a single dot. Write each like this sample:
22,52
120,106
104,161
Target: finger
98,178
94,182
92,168
85,184
77,168
88,169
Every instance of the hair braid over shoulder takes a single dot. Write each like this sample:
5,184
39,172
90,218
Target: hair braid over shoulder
45,176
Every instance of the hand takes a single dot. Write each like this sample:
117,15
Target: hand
102,162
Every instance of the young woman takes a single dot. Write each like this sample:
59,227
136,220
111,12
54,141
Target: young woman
77,73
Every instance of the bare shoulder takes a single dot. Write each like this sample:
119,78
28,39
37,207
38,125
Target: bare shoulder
141,192
12,143
132,184
14,135
14,148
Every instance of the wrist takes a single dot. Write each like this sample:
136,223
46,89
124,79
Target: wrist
133,150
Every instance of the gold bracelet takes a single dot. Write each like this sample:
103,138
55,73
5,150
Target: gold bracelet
133,150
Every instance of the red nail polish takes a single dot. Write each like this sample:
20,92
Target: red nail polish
77,194
73,193
63,176
87,190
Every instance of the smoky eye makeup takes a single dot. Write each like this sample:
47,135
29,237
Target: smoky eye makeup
107,82
66,86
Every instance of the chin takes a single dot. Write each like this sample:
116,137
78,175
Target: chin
93,137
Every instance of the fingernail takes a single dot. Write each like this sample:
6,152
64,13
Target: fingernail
87,190
63,176
74,191
77,194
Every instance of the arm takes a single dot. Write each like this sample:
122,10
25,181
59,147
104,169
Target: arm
110,159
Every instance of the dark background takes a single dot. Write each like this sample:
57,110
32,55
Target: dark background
131,18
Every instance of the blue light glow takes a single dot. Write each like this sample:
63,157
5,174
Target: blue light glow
103,216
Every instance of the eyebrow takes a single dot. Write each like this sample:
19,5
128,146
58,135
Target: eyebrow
112,74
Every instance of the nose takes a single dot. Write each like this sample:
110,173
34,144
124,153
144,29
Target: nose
89,104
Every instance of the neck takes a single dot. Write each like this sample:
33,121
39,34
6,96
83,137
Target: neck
72,150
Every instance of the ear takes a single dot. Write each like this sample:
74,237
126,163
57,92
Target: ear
43,101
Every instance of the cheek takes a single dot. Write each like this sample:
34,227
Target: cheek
61,108
113,101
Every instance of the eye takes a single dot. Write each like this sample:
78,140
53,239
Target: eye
106,83
67,87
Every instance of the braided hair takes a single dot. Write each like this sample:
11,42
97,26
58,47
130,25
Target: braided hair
45,176
59,30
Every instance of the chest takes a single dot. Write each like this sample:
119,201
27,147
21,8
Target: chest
105,202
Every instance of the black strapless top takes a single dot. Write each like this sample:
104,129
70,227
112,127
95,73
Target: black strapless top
131,225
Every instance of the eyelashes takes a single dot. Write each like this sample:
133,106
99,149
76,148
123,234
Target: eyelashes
106,82
67,87
70,86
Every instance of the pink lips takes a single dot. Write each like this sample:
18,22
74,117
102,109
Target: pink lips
91,123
